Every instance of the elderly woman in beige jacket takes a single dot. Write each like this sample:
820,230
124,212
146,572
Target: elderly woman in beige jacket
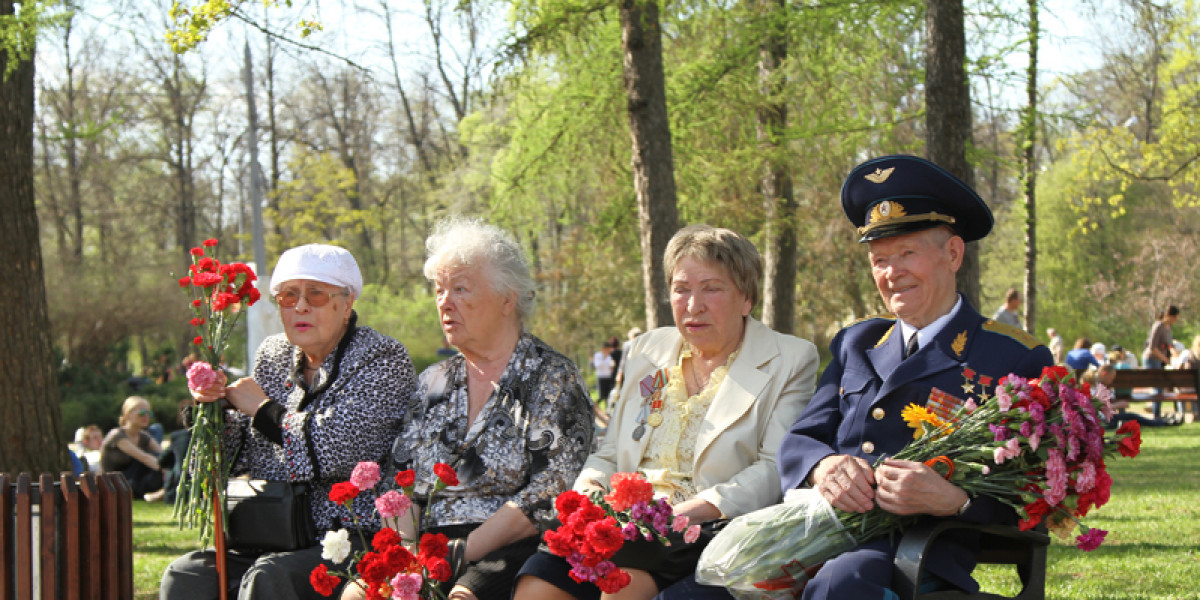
704,407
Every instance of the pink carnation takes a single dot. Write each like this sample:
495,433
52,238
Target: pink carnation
1091,539
201,375
406,586
392,504
1085,480
1003,399
1056,476
692,534
679,524
365,475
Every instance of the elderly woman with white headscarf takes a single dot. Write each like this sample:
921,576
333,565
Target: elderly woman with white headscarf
510,414
325,395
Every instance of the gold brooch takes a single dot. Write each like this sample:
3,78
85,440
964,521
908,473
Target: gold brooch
880,175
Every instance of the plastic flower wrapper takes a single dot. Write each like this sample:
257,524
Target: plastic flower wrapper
217,296
392,566
594,528
1037,445
813,536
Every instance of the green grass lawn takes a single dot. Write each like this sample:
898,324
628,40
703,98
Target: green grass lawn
1152,550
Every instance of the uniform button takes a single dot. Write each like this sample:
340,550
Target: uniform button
878,413
868,447
842,391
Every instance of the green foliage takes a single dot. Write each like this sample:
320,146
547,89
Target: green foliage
191,25
407,314
19,31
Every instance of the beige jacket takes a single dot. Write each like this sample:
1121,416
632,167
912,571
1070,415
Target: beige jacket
768,384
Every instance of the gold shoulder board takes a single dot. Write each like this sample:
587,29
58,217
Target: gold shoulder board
1024,337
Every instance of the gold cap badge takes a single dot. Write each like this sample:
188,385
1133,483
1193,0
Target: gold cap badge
880,175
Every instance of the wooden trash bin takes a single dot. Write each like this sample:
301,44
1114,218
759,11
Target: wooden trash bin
69,538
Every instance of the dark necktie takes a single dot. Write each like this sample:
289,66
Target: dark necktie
911,348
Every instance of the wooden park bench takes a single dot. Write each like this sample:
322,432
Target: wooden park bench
1156,385
67,538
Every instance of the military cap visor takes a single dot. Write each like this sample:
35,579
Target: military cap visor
895,195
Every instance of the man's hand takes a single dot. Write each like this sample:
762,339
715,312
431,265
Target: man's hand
846,482
912,488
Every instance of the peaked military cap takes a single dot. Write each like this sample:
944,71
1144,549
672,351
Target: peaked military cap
899,194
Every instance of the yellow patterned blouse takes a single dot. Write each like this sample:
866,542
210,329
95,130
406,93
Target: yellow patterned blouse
671,449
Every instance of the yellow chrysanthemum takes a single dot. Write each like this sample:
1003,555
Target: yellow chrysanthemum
914,415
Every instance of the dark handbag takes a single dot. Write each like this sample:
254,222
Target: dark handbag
269,516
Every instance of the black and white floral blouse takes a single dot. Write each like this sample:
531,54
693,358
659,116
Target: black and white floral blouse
352,413
526,445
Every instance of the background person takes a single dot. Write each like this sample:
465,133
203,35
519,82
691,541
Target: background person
131,450
916,219
325,395
1158,347
510,414
1007,313
732,387
1080,357
1055,344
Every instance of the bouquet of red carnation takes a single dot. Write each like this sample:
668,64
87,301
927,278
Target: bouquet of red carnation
1037,445
217,293
393,567
594,528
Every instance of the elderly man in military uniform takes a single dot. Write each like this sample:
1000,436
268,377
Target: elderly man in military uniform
933,348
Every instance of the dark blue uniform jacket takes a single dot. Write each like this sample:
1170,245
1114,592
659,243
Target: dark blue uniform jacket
857,405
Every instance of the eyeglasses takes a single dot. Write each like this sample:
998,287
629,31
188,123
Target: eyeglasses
315,297
144,413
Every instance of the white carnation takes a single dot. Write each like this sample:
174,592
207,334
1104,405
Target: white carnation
336,545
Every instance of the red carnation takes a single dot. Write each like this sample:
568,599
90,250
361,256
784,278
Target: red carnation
405,478
439,569
568,502
198,321
1057,373
322,581
1036,511
446,473
198,341
185,281
206,279
197,302
210,242
254,296
560,541
433,545
373,567
197,252
603,537
613,581
343,492
628,490
385,539
209,264
578,521
399,559
1131,444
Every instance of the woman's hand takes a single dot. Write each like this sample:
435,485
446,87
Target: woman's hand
353,591
847,482
245,395
211,392
697,510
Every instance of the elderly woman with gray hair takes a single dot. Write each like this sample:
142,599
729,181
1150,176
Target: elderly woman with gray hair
509,413
325,395
703,408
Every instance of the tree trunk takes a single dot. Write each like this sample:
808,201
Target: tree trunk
1029,166
779,276
653,169
948,111
30,417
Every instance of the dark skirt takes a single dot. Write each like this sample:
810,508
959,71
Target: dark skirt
665,564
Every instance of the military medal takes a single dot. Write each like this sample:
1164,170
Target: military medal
651,388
